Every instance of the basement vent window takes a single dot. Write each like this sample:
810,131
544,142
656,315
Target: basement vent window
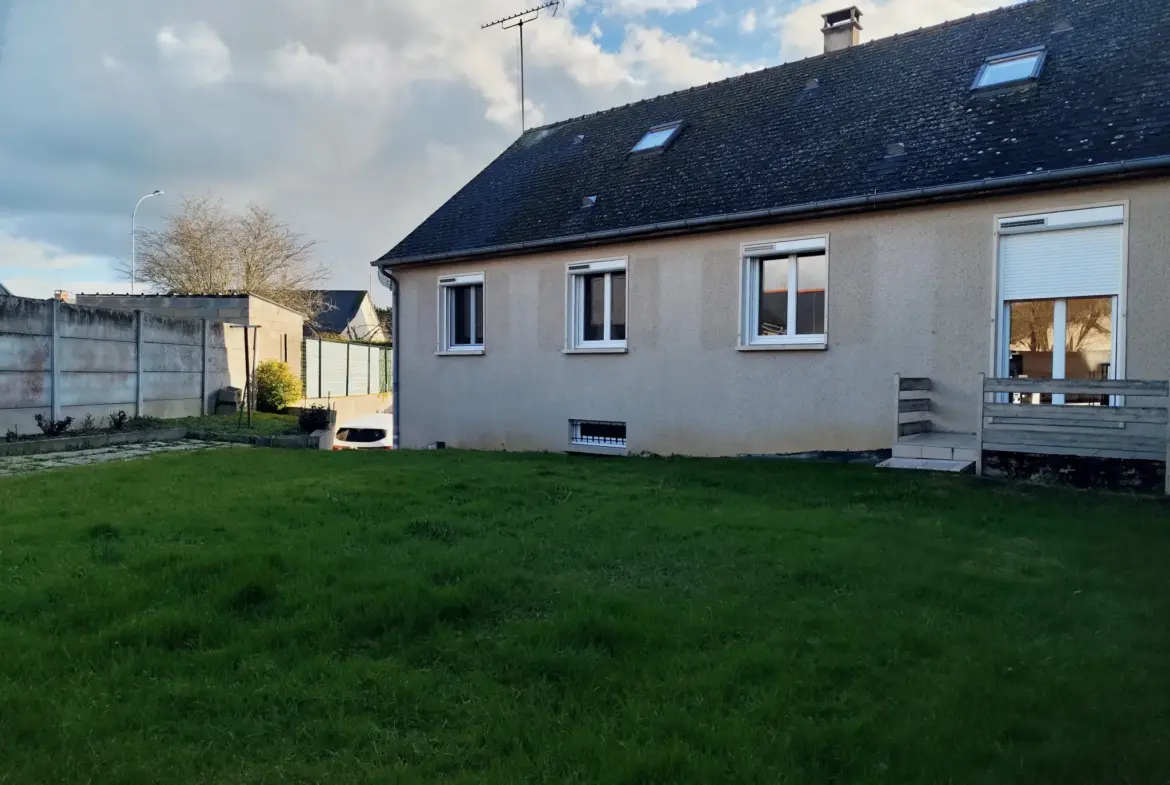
1010,68
591,433
658,137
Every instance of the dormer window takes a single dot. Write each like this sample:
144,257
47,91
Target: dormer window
1010,68
658,137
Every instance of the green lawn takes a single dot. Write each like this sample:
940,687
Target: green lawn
269,616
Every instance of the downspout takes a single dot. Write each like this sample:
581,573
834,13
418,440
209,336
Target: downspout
391,283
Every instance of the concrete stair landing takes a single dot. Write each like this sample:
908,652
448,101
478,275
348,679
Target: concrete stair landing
939,451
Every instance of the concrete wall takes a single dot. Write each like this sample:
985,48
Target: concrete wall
353,405
910,291
105,361
279,326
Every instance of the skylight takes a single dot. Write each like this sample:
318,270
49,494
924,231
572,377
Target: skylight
657,137
1010,68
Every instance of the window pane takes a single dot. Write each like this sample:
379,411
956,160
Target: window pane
593,308
477,294
773,316
617,330
654,139
1089,344
1009,70
460,304
812,278
1032,326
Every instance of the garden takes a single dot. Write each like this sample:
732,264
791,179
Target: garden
264,616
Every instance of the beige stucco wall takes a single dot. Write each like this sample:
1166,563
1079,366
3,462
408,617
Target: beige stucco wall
910,291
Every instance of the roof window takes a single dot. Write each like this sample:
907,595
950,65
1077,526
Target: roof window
1010,68
658,137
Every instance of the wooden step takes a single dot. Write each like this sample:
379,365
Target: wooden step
929,465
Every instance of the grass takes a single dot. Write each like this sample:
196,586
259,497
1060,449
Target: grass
252,616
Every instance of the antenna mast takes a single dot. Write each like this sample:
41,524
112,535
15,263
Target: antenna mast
517,22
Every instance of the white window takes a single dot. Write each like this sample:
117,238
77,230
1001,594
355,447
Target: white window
461,313
1061,299
785,290
590,433
1010,68
597,306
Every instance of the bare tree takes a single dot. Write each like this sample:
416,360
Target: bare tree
206,248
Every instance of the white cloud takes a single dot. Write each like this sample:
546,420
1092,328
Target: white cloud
20,252
748,22
800,27
197,52
641,7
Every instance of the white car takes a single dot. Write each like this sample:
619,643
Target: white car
368,432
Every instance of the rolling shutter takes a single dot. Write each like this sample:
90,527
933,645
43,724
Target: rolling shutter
1060,264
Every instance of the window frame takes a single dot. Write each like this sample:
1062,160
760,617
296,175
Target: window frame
1059,217
575,275
752,256
1041,53
675,127
446,314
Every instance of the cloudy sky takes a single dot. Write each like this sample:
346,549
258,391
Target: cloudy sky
352,119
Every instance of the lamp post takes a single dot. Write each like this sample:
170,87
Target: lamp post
134,239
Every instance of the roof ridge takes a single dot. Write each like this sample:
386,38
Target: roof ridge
944,25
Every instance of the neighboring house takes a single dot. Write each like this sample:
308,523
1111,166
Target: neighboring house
351,314
742,267
4,292
280,329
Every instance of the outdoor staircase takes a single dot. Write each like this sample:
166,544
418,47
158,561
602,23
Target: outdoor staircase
916,444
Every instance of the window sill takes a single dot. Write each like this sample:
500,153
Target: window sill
784,347
597,350
463,353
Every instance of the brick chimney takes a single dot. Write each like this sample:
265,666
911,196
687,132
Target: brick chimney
842,29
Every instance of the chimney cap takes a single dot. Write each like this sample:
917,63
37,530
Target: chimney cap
846,16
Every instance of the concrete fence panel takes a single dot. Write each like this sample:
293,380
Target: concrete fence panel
25,353
93,388
93,324
61,360
81,355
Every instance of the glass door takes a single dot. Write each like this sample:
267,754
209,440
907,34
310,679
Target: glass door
1073,338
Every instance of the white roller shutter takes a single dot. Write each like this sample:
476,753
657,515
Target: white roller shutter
1061,264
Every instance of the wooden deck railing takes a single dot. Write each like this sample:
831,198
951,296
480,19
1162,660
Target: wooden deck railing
912,411
1136,427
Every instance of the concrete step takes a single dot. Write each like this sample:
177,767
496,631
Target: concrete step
929,465
933,452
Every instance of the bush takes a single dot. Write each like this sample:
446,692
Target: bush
53,428
276,386
118,420
315,418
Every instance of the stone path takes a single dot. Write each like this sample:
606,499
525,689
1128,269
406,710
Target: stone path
28,464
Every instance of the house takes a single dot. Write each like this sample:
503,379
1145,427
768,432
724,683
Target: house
743,267
4,291
351,314
278,336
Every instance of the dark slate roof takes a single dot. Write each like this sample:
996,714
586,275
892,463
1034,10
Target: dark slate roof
340,308
766,142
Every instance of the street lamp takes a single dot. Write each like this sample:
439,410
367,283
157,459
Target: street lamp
134,239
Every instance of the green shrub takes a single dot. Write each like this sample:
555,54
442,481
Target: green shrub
276,386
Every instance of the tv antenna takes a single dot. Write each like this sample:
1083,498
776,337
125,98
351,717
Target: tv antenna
517,22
